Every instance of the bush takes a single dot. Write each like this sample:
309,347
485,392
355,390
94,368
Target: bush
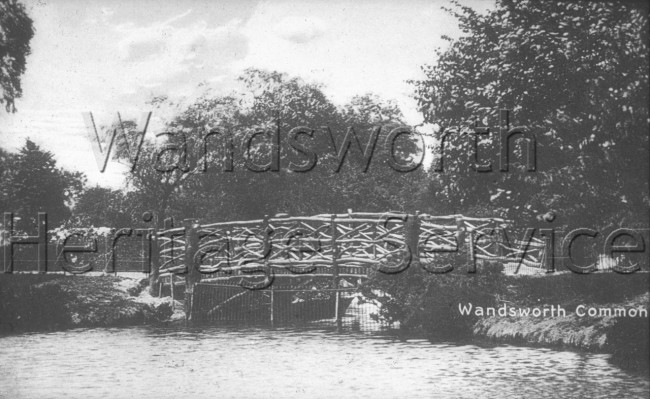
428,302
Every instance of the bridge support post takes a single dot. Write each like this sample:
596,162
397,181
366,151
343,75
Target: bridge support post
155,264
412,226
272,307
460,236
460,232
172,283
548,256
192,274
335,272
471,256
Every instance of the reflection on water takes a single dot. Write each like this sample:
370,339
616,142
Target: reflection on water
281,363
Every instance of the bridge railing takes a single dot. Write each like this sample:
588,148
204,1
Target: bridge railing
348,244
322,244
338,245
330,248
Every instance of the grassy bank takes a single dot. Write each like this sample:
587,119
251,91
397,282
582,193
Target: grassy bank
56,302
429,304
623,335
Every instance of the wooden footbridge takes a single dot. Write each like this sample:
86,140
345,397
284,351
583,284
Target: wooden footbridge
297,267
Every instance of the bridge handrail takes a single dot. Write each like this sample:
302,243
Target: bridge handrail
339,246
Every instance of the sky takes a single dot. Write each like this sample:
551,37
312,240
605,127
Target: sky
110,56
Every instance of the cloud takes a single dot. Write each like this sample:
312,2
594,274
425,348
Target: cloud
174,57
142,48
300,29
107,12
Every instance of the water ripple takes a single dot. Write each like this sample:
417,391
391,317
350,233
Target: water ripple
228,363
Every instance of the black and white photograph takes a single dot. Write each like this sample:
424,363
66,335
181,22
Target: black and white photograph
324,199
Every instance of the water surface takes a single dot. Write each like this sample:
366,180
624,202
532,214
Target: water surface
284,363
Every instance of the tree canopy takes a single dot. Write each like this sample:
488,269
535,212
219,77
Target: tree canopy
33,183
16,31
186,175
104,207
576,75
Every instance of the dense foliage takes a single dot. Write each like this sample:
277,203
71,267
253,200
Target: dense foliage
185,175
32,183
576,75
16,31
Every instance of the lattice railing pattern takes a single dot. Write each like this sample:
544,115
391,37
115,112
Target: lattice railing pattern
341,245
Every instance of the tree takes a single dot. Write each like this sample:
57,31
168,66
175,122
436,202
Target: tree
576,75
169,179
180,178
6,171
16,31
380,188
34,184
104,207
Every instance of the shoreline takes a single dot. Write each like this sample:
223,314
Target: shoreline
39,303
602,312
34,303
623,337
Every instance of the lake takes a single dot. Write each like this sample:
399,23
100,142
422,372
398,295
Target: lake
165,362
